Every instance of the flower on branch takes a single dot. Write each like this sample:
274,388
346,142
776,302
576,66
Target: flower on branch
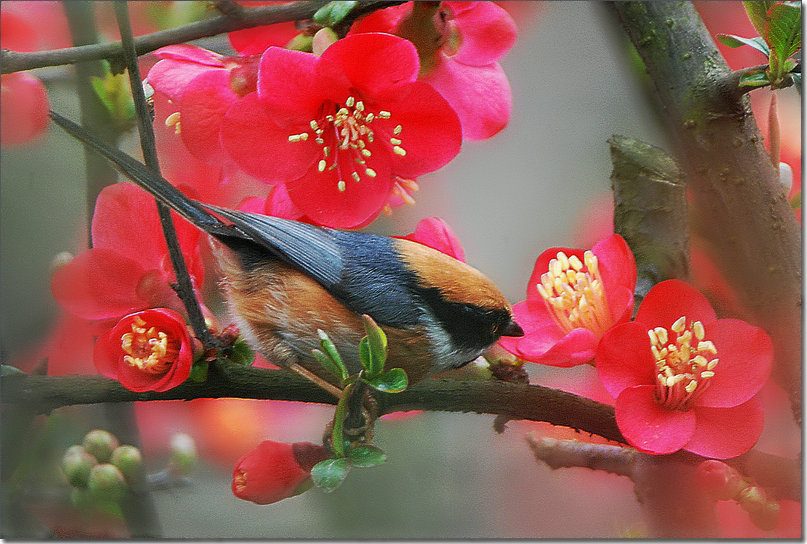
276,470
146,351
684,379
435,233
573,297
459,44
341,128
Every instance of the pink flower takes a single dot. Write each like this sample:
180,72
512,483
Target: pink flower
128,268
146,351
250,41
337,129
435,233
684,379
573,298
275,471
459,45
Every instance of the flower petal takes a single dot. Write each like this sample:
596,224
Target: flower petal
253,41
624,358
171,77
549,346
261,147
669,300
616,262
290,88
649,427
526,320
23,108
480,95
745,355
203,104
722,433
190,54
487,30
437,234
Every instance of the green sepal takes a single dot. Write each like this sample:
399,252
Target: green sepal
392,381
242,353
730,40
365,455
332,13
373,348
199,371
330,473
754,79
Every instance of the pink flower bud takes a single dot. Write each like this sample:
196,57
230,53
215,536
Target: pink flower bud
719,481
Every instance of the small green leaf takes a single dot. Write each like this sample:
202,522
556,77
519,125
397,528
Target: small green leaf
199,371
329,349
330,473
115,94
757,12
392,381
783,30
373,348
333,13
757,43
365,455
754,79
326,362
242,353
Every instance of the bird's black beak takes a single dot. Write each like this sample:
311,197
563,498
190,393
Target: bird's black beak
512,329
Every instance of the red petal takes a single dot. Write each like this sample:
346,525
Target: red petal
382,20
431,135
437,234
172,77
289,87
190,54
317,194
98,284
624,358
616,262
671,299
252,41
548,345
261,147
745,356
480,95
542,266
278,204
526,320
649,427
374,63
487,30
726,432
23,108
203,104
106,353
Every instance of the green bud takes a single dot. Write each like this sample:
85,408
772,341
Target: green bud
106,482
82,499
76,465
183,454
129,461
101,444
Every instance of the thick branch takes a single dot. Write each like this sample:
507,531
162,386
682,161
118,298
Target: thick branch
574,453
741,208
12,61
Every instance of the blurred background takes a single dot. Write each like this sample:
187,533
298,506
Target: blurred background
542,182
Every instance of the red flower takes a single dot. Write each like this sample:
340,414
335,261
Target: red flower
128,268
435,233
276,470
23,108
250,41
573,297
146,351
684,379
337,129
459,45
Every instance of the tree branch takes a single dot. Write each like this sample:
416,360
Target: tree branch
574,453
740,207
13,61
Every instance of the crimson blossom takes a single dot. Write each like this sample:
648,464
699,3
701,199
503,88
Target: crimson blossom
146,351
342,128
276,470
573,297
459,44
684,379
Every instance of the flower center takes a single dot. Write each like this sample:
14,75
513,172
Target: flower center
685,363
346,136
149,350
574,293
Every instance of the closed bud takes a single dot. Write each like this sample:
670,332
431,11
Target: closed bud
101,444
129,461
183,454
720,481
764,513
107,482
76,465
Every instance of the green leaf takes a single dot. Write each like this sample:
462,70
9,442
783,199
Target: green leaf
326,362
373,348
330,473
392,381
754,79
242,353
757,12
116,95
199,371
333,13
329,349
783,30
757,43
365,455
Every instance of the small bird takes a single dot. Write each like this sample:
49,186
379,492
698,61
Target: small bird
284,280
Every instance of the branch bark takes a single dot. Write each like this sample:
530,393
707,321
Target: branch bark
739,205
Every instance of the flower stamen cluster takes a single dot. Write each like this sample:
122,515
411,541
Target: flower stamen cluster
348,131
149,349
574,294
685,362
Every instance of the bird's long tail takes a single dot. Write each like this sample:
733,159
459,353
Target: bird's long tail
148,180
